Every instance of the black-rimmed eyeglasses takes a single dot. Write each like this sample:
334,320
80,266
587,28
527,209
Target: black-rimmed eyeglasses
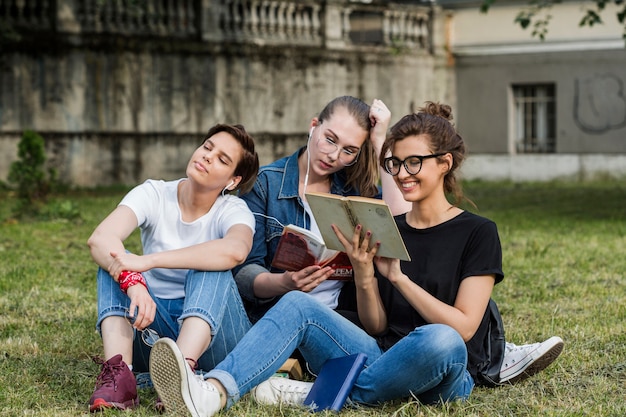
412,164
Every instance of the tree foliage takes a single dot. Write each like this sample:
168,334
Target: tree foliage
536,14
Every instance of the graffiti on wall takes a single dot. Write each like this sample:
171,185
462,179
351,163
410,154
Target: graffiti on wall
599,103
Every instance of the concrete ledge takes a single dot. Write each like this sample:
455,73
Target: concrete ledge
542,167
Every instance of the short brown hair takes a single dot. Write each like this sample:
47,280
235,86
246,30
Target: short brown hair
248,166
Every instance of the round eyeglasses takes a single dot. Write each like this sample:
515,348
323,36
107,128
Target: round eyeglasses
148,335
412,164
347,156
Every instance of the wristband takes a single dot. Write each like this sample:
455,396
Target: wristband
130,278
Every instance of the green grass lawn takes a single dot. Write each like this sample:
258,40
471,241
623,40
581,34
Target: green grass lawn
564,260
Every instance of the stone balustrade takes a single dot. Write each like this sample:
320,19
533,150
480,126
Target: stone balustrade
266,22
170,18
332,24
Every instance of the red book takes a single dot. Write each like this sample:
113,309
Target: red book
299,248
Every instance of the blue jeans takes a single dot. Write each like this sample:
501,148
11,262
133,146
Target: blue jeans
429,363
209,295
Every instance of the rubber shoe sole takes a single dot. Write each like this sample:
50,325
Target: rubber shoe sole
99,404
169,378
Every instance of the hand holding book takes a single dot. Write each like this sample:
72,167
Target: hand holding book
348,212
299,248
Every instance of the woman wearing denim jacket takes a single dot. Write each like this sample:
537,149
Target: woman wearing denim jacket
340,158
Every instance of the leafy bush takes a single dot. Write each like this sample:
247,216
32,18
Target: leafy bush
27,173
29,177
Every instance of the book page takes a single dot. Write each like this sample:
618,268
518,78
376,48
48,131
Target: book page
380,221
346,212
328,209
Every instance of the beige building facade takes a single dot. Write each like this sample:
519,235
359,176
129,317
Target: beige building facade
539,110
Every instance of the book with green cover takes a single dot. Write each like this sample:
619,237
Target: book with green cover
347,212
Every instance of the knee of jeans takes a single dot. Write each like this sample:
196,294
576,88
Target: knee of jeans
446,339
296,300
112,311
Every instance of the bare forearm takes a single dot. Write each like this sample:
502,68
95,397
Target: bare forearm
435,311
268,285
369,306
101,246
216,255
392,195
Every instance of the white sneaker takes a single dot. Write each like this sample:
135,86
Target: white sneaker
523,361
281,390
182,391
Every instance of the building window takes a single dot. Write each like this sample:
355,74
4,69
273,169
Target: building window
535,118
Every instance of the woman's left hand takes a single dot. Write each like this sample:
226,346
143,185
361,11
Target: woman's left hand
380,116
127,262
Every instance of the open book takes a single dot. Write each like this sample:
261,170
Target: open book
347,212
299,248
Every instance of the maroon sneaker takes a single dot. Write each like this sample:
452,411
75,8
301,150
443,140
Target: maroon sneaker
116,386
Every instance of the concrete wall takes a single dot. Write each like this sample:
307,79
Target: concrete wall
120,97
544,167
152,108
120,107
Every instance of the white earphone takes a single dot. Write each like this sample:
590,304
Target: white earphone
311,132
231,183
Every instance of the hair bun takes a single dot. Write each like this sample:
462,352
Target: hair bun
437,109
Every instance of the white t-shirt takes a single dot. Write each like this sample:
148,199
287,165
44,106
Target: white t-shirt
155,203
328,291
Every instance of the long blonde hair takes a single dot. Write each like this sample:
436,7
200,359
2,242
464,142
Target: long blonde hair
364,174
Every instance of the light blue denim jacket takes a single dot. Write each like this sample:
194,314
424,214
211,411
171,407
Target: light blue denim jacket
275,194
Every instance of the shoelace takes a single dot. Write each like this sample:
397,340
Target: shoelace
292,393
205,384
108,373
510,347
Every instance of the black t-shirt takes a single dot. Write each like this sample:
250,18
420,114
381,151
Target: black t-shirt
441,257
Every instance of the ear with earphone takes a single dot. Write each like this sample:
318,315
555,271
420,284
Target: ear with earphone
227,187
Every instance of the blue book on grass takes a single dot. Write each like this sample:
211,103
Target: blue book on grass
334,382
